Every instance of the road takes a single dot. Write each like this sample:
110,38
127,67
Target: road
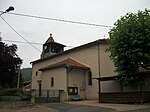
64,107
140,110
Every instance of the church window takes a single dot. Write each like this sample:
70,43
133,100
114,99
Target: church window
36,73
52,81
90,78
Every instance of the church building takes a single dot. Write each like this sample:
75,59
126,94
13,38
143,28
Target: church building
83,72
74,71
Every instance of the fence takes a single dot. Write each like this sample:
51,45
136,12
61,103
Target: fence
47,96
125,97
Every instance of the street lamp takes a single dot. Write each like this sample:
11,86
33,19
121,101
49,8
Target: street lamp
11,8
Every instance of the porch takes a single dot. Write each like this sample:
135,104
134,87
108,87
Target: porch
125,94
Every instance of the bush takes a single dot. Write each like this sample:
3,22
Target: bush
11,92
14,94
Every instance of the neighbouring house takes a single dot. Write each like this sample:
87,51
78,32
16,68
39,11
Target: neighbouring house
27,85
78,73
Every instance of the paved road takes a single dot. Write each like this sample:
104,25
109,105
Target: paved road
64,107
140,110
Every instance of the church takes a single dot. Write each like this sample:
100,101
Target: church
83,72
73,71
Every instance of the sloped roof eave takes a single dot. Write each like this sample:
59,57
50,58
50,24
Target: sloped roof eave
66,63
101,41
77,67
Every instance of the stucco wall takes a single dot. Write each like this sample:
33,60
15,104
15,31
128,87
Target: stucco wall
59,75
60,80
76,78
110,86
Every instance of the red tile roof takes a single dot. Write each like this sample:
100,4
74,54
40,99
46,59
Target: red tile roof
66,63
144,69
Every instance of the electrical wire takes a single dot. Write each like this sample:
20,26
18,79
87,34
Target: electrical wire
21,42
26,42
37,43
46,18
19,34
60,20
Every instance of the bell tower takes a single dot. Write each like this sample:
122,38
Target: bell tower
50,47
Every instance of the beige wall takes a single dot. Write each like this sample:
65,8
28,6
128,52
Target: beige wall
76,78
59,75
60,80
89,57
113,86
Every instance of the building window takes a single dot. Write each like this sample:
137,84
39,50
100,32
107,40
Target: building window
90,78
36,73
52,81
56,49
46,48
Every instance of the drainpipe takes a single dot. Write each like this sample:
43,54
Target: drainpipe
98,58
68,70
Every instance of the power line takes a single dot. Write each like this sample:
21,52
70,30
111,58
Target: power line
26,42
60,20
35,43
19,34
22,42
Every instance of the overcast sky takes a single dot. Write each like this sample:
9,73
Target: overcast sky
103,12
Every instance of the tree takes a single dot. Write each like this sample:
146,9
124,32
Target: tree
130,45
9,64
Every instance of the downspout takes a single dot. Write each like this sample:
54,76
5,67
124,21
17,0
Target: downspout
98,58
84,86
68,69
67,81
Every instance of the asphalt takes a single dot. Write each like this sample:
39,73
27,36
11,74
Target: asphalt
65,107
82,106
118,107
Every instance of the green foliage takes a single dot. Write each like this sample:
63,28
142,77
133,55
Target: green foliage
130,45
9,64
11,91
14,94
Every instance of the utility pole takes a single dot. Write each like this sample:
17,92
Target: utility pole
0,37
18,80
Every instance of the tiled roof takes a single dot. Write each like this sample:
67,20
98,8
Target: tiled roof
141,69
66,63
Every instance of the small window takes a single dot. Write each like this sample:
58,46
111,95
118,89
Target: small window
52,81
56,48
36,73
90,78
45,48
